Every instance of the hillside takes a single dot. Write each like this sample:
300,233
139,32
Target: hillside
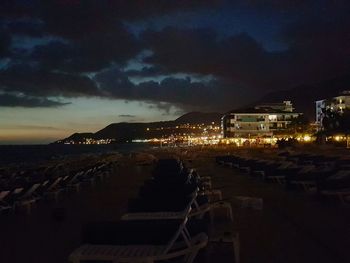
124,131
199,117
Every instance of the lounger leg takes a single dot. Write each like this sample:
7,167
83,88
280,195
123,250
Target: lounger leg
211,214
74,259
56,196
123,261
341,198
28,208
229,212
236,248
192,256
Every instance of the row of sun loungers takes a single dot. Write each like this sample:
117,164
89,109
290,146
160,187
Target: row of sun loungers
25,188
327,176
167,220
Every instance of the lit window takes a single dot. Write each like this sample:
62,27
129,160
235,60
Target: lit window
272,117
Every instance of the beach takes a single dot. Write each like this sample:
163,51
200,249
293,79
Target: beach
290,226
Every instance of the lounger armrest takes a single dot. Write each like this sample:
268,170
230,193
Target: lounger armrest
154,215
221,201
209,192
4,204
205,178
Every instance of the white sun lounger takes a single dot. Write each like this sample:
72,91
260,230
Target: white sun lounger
309,185
195,211
15,193
53,189
3,205
163,214
180,244
27,199
74,182
342,194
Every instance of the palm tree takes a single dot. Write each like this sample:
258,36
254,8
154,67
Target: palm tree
331,120
337,122
298,124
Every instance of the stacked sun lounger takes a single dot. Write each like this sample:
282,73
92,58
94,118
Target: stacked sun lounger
26,187
167,220
311,173
336,185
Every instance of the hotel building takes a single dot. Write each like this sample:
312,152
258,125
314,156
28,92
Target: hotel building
337,104
262,120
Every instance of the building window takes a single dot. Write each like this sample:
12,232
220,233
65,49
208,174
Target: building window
272,117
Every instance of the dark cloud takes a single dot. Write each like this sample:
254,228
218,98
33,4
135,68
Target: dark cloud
91,36
76,19
295,6
136,10
11,100
34,82
91,52
25,26
149,71
117,46
115,84
53,55
93,29
278,4
127,116
315,50
5,42
184,93
17,8
238,58
319,46
181,50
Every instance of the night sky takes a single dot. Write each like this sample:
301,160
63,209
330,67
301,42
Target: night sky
70,65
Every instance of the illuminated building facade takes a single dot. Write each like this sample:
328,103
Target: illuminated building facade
337,104
262,120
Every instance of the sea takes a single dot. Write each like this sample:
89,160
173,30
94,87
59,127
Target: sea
31,154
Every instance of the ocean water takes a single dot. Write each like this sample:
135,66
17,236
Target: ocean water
23,154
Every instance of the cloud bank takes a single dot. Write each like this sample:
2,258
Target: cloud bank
84,49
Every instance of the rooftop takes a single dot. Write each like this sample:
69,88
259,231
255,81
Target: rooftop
261,110
284,107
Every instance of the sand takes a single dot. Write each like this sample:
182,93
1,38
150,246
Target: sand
291,227
43,237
